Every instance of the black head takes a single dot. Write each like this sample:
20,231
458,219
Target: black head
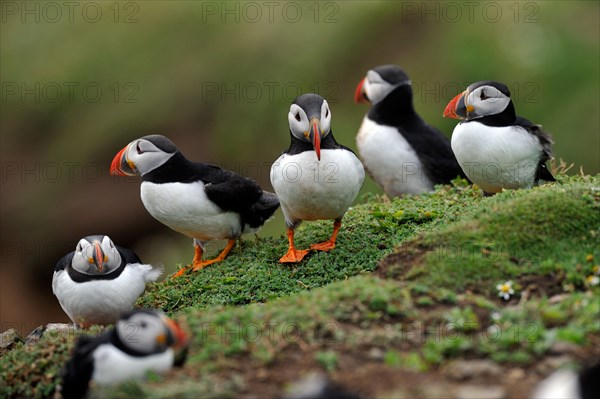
310,120
161,142
481,99
392,74
96,255
143,155
146,331
380,82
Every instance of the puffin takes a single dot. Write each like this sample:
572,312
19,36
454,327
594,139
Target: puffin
400,151
201,201
316,178
99,281
140,341
496,148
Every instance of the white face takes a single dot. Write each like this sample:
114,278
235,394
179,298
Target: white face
376,88
144,332
96,257
145,156
300,125
485,100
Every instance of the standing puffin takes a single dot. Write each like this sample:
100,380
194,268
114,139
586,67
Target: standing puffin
496,148
140,341
316,178
99,281
402,153
201,201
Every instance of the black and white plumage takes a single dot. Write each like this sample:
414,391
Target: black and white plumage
201,201
565,383
140,341
496,148
402,153
316,178
99,281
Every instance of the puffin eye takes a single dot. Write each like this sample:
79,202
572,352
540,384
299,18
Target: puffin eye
483,96
326,112
139,150
298,116
143,324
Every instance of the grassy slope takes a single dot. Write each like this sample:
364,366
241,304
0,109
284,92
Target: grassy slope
456,246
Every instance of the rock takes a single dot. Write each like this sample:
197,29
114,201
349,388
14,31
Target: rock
317,386
38,333
563,348
550,364
470,369
515,375
558,298
375,354
8,339
480,392
35,335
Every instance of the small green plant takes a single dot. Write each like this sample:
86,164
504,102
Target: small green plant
327,359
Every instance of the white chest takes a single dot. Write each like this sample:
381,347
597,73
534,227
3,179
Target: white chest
112,366
496,157
185,208
309,189
390,160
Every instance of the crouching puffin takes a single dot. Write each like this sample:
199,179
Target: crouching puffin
316,178
99,281
140,341
402,153
496,148
201,201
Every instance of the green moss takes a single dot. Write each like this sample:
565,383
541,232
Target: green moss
422,306
546,231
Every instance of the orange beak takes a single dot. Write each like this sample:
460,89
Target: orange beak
456,107
315,136
179,336
359,94
120,166
98,257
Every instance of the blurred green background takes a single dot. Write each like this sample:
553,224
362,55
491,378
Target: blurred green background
81,80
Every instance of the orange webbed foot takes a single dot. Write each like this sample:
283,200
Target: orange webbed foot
323,246
181,271
293,256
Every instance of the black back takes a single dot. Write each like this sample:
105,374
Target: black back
77,372
230,191
127,257
588,382
431,146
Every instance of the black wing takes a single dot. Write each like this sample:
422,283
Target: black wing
128,256
434,151
64,262
546,141
230,191
77,372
